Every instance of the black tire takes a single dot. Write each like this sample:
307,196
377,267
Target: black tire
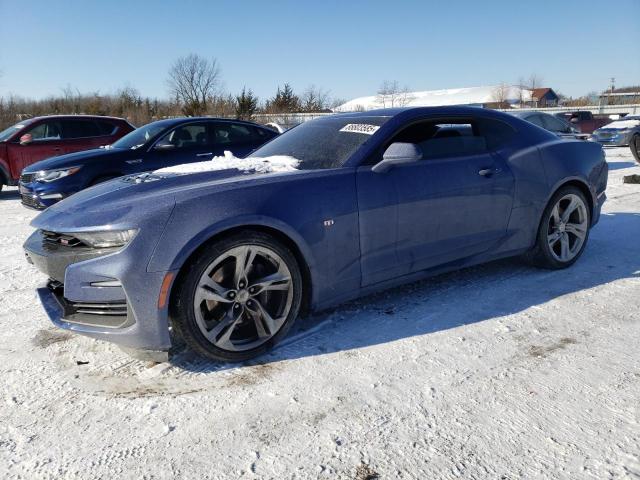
634,145
182,314
541,255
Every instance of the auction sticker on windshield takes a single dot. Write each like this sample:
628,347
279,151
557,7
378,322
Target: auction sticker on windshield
360,128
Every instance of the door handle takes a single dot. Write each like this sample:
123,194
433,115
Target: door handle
487,172
204,154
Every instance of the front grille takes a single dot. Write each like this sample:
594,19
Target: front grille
605,135
30,201
63,239
27,177
100,308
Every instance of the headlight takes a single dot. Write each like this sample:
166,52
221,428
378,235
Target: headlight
51,175
107,238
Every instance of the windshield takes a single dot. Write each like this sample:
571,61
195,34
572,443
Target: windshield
323,143
141,135
5,134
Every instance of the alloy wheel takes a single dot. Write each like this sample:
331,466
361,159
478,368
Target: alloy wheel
567,227
243,298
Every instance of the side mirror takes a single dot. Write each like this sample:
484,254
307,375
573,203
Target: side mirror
26,139
164,146
398,153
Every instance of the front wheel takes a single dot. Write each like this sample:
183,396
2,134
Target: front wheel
634,145
238,298
563,231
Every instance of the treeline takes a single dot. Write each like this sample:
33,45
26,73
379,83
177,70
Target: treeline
130,104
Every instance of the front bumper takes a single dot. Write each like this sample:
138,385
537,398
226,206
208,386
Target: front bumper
611,139
39,195
123,311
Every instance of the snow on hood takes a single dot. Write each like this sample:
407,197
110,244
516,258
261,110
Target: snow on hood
276,163
622,124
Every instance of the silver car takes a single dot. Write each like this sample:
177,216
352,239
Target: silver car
621,133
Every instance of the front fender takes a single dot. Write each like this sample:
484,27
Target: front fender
161,263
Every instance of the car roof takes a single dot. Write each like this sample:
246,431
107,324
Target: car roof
390,112
180,120
66,117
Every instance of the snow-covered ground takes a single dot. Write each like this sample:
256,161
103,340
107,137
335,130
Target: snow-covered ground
499,371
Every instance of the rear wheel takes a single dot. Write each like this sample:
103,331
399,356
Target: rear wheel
634,145
238,298
563,231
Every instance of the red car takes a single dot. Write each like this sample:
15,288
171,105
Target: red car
42,137
584,120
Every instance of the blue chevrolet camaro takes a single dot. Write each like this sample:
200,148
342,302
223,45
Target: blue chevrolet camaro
227,259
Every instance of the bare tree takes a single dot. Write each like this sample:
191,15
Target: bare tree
336,102
534,81
194,81
501,95
391,95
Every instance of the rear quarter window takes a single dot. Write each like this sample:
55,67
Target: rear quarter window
495,132
106,128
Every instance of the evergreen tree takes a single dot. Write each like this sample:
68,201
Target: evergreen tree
285,101
246,105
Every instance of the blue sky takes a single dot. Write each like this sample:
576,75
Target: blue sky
347,47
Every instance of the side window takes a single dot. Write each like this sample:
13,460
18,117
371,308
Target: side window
224,133
186,136
263,135
444,138
453,140
46,131
79,129
106,128
536,120
554,125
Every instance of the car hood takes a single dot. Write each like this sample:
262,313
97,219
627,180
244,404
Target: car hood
73,159
117,202
621,125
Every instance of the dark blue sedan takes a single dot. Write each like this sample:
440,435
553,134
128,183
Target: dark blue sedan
156,145
333,209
